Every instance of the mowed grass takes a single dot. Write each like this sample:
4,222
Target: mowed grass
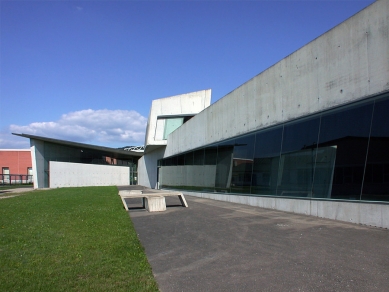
70,239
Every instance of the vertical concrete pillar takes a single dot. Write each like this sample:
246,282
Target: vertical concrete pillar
38,163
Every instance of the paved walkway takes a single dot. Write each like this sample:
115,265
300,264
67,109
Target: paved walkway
221,246
9,193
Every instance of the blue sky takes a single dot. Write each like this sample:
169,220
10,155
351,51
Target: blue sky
87,71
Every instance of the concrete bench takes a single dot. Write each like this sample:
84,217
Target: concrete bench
153,201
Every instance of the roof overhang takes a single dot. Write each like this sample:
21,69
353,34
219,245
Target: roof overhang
107,151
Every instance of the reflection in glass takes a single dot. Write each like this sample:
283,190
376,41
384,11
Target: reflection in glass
224,166
347,131
297,161
322,156
376,182
324,172
242,164
181,159
189,158
210,157
266,161
198,157
171,124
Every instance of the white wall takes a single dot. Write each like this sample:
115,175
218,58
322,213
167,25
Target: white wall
65,174
348,63
147,168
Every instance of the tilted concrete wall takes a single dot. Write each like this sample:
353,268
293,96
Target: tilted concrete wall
38,163
65,174
147,168
359,213
348,63
183,104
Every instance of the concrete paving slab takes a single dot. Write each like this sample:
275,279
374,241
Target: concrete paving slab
221,246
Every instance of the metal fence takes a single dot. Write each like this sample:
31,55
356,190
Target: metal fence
15,179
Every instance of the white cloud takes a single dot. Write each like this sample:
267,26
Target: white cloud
8,141
112,128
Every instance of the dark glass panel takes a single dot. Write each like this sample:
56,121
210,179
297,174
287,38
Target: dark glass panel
242,164
189,158
181,159
165,162
376,183
224,166
210,155
198,157
209,169
266,161
297,161
343,138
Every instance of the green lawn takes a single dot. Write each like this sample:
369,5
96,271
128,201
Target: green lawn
70,239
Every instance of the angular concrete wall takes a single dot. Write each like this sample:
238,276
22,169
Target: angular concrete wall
65,174
178,105
184,104
38,163
359,213
147,168
348,63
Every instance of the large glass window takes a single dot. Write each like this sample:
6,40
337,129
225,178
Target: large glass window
189,158
198,157
339,154
266,161
242,164
224,166
210,157
297,161
346,132
376,182
171,124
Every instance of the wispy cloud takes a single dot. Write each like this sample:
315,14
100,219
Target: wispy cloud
113,128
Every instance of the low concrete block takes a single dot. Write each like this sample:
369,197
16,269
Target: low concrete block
370,214
385,216
155,204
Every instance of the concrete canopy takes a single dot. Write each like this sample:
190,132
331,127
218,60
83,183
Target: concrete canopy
107,151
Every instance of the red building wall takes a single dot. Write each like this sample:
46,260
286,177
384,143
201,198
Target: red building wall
17,160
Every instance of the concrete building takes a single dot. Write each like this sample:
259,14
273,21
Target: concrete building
167,115
308,135
59,163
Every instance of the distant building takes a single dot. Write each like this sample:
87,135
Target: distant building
15,166
60,163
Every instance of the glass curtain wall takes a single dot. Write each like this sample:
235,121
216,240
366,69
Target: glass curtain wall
297,159
340,154
266,161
